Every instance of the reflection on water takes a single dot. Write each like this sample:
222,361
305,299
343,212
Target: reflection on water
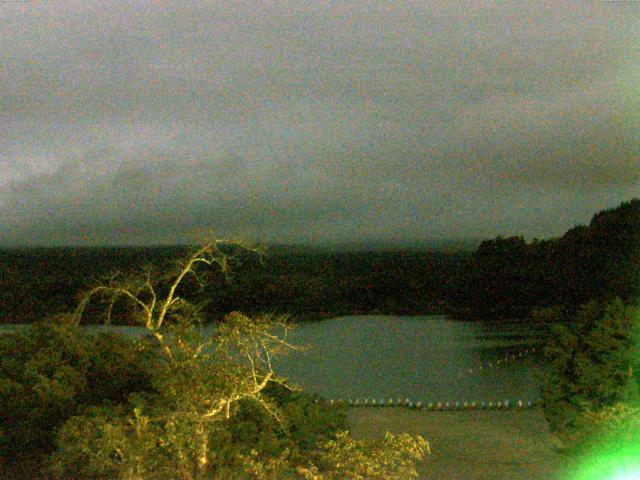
422,358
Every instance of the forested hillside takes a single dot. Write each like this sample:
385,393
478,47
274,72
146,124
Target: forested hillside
504,277
306,283
508,276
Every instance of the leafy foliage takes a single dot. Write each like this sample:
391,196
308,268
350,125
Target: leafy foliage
51,369
393,457
594,365
611,425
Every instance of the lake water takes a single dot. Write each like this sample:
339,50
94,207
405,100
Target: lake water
422,358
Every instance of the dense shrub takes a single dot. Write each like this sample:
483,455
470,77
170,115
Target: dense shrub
51,369
594,365
616,425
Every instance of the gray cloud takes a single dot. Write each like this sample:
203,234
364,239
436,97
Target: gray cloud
312,121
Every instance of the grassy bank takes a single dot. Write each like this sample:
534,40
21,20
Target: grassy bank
470,445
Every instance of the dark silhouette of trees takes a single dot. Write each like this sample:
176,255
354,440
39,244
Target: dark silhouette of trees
508,277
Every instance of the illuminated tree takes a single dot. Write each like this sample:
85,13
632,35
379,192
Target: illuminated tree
217,409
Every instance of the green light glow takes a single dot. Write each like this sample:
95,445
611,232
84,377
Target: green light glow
627,476
614,453
611,461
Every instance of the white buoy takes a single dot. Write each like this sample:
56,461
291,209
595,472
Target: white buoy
430,405
390,402
373,401
419,404
519,403
406,401
439,405
464,404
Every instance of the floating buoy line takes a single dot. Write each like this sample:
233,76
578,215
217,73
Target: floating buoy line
435,406
493,365
518,404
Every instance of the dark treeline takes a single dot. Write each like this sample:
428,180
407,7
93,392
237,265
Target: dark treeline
36,283
322,283
306,283
503,278
508,276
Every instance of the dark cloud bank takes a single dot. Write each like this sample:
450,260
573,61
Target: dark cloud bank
144,122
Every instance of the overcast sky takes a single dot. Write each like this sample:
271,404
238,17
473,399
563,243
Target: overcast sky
127,122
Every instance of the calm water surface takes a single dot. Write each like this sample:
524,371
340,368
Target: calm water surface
423,358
